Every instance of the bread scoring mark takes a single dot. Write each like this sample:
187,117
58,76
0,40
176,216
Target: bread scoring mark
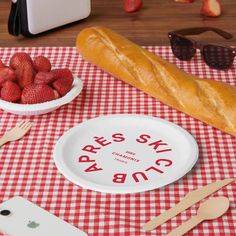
211,99
169,85
129,65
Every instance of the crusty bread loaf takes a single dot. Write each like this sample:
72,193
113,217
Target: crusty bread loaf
210,101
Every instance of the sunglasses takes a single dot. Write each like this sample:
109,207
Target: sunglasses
215,56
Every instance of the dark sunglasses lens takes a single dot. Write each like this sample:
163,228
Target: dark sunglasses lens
218,57
182,47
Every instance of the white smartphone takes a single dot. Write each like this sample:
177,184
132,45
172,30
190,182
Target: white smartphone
19,216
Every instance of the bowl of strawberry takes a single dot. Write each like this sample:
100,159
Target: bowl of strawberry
32,87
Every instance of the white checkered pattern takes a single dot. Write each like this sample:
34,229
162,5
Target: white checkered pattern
27,168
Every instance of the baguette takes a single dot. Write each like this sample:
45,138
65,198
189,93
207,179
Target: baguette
210,101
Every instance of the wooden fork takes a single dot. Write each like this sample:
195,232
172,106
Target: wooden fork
16,133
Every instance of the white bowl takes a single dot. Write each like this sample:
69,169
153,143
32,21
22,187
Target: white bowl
45,107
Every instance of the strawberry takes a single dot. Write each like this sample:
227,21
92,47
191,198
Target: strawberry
10,92
6,74
18,58
37,93
63,82
1,64
25,74
41,63
132,5
64,79
211,8
62,73
184,1
44,78
62,85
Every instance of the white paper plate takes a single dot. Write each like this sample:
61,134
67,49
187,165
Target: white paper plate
125,153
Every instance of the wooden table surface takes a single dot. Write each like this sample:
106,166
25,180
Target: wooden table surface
146,27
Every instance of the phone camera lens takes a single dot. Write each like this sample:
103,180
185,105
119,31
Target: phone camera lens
5,212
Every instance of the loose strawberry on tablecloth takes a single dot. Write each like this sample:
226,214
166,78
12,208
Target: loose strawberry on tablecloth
37,93
6,74
64,80
10,92
41,63
18,58
25,74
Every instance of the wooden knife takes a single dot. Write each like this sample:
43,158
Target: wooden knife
189,200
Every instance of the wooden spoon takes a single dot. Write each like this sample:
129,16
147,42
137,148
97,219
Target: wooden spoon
209,210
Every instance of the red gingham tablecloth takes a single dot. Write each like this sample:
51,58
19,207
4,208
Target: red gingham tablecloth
27,168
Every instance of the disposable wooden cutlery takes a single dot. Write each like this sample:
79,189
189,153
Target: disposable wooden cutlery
16,133
209,210
189,200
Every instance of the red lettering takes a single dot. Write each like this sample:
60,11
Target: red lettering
85,159
119,178
155,169
164,150
157,144
143,138
131,153
102,141
118,137
139,173
93,168
169,162
91,148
